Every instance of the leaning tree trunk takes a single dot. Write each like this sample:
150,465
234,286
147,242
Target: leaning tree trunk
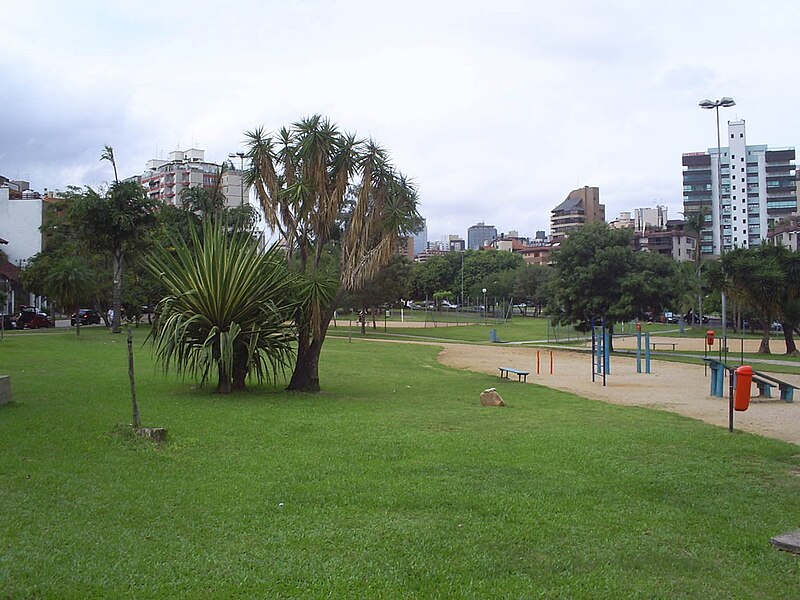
115,328
305,377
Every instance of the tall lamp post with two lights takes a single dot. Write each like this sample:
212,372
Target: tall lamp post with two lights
724,102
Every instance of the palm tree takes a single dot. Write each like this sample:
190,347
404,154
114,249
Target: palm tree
339,206
69,283
694,223
227,308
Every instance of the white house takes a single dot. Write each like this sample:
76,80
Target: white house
20,223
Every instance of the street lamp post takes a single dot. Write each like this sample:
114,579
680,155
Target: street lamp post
484,303
724,102
241,174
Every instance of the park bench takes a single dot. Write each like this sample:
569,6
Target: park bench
654,344
521,375
766,382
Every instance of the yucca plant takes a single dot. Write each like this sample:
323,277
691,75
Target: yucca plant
228,309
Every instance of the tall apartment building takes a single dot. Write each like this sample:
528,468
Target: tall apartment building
758,189
165,180
580,207
480,235
650,218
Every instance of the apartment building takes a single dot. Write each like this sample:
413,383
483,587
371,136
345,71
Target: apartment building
165,180
744,189
581,206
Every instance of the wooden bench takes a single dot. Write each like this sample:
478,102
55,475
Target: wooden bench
654,344
766,382
521,375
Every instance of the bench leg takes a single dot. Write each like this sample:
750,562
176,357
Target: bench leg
787,394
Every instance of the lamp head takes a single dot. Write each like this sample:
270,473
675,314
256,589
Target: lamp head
727,102
707,104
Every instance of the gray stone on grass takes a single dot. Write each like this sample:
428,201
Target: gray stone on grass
788,541
490,397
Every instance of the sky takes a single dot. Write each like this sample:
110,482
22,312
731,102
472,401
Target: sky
496,110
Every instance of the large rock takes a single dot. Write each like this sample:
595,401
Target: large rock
5,389
490,397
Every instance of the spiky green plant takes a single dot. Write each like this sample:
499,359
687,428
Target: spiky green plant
228,308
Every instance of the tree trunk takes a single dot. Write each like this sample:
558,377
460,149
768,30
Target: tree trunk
240,371
115,328
305,377
788,337
764,346
136,423
224,383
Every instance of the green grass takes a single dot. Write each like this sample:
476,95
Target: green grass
517,329
391,483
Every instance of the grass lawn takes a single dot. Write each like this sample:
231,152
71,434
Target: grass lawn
391,483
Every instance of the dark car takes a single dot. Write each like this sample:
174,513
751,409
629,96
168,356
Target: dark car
88,316
6,322
25,316
36,321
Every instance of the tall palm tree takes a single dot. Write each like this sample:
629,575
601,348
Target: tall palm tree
339,207
227,308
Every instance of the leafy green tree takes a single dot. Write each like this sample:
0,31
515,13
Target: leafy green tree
70,282
119,223
387,287
755,276
532,284
335,242
600,276
226,310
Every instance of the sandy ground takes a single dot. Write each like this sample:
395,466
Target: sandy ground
675,387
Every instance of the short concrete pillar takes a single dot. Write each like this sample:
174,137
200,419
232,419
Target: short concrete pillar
5,389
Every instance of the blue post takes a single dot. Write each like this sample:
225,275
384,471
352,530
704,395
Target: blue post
606,354
647,352
638,351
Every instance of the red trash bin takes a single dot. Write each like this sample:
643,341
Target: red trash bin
744,379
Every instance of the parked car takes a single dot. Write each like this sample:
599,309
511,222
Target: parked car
26,315
39,319
88,316
776,326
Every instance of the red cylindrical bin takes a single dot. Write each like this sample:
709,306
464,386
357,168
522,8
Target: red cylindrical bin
710,337
744,379
638,326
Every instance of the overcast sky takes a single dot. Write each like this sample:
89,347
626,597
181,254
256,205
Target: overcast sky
496,109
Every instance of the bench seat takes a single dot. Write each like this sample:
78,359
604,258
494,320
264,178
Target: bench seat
521,375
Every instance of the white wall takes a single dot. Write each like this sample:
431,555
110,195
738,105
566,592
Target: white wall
20,221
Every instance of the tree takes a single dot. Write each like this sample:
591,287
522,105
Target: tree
386,287
599,276
70,282
226,309
335,243
118,223
755,275
694,223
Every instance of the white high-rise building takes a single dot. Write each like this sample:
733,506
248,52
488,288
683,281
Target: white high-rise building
758,189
